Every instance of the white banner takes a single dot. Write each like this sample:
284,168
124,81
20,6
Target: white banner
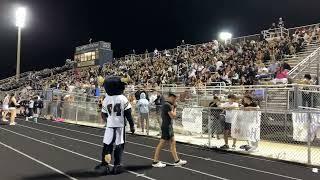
246,126
192,119
301,126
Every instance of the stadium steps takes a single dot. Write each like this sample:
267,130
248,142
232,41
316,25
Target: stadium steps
276,99
301,55
311,69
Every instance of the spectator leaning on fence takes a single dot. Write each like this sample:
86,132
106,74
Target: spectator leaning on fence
215,124
143,108
248,105
229,117
306,96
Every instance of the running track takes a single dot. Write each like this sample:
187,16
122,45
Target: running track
53,151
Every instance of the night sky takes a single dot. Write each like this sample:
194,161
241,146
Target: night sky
56,27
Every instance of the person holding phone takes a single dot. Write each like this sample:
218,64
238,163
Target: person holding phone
168,113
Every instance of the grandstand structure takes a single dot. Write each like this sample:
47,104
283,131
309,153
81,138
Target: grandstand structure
279,103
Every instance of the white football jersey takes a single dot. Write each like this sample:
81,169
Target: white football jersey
115,106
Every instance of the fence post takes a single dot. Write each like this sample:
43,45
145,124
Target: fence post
318,70
295,98
198,98
266,99
77,109
148,124
285,124
309,137
209,128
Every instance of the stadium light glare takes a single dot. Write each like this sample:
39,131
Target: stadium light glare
225,36
21,14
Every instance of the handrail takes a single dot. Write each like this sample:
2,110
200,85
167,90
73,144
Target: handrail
243,37
310,25
293,70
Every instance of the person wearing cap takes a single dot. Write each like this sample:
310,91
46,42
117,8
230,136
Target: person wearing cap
168,113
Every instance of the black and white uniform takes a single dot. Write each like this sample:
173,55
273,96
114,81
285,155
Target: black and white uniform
115,107
30,108
117,110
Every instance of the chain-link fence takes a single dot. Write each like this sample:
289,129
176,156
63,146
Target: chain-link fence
286,125
84,113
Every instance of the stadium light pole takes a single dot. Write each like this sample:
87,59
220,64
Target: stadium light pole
20,23
225,36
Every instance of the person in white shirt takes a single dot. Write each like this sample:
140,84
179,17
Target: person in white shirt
155,52
167,53
229,117
219,64
249,105
281,23
5,107
30,109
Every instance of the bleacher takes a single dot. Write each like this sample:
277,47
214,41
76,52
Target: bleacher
298,62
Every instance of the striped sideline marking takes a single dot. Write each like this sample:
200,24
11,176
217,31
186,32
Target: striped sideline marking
136,155
38,161
67,150
152,138
189,155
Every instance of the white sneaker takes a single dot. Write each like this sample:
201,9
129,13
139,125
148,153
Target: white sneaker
27,119
180,163
4,120
159,165
12,124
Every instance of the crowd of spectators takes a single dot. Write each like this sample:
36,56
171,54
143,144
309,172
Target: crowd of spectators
245,62
36,79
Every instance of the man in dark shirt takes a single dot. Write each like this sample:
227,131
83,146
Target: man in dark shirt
168,112
215,122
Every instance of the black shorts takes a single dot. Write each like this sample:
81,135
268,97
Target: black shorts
167,133
30,112
227,126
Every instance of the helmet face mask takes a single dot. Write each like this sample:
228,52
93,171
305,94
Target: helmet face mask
114,86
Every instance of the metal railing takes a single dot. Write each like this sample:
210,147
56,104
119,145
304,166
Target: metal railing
275,33
298,69
255,37
292,30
